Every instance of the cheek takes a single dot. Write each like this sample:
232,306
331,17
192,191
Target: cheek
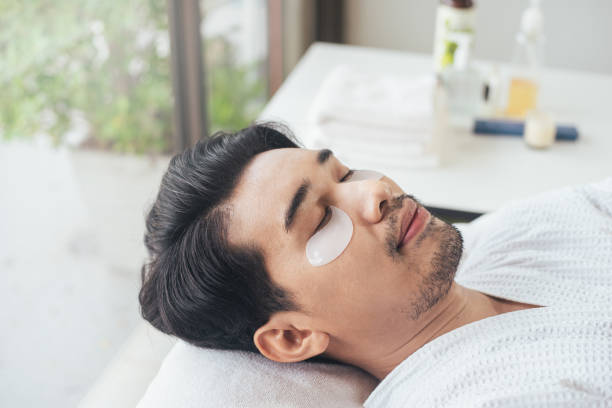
367,275
351,281
362,280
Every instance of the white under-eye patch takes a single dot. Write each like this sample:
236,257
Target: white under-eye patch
329,242
359,175
332,239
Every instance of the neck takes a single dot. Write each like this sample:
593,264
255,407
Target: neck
460,307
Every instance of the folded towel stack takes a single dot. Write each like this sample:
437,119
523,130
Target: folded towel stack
375,121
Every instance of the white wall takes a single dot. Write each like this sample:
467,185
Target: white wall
579,33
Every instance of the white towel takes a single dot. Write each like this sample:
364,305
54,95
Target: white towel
366,147
375,122
384,101
554,250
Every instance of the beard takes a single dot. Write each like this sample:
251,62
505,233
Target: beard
439,273
442,267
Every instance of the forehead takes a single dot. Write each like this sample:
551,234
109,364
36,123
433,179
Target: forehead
265,189
268,164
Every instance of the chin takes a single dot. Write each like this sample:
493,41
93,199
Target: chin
439,276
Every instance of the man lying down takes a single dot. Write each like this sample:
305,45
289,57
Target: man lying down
257,244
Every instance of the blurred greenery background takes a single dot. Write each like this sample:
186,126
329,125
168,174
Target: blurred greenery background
96,74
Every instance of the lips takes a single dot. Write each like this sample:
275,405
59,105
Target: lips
407,219
414,221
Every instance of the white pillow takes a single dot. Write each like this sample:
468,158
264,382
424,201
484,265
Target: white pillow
192,377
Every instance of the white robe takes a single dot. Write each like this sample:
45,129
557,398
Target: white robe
553,250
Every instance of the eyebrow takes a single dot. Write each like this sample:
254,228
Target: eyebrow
324,155
300,194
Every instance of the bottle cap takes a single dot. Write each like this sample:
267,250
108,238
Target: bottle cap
532,22
458,3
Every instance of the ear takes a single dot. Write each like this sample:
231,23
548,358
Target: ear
281,341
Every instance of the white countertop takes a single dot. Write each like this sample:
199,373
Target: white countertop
483,172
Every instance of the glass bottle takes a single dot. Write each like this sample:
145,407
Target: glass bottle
523,83
454,34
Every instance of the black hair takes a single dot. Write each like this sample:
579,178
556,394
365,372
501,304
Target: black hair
195,285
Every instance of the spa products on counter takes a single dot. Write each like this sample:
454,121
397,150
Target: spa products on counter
454,35
539,130
523,79
491,103
453,43
494,127
465,91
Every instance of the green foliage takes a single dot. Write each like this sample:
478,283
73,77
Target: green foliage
235,93
108,61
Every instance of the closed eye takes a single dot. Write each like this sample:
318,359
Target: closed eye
325,219
347,176
327,213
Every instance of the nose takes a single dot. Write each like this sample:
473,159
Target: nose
367,199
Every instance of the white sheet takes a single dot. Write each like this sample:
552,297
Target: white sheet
196,378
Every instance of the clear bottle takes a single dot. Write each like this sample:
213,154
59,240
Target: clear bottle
454,35
453,43
523,81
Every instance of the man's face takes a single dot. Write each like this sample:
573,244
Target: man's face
373,285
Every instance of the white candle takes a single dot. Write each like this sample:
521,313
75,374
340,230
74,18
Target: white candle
539,129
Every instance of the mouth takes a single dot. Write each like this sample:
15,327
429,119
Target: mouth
413,222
